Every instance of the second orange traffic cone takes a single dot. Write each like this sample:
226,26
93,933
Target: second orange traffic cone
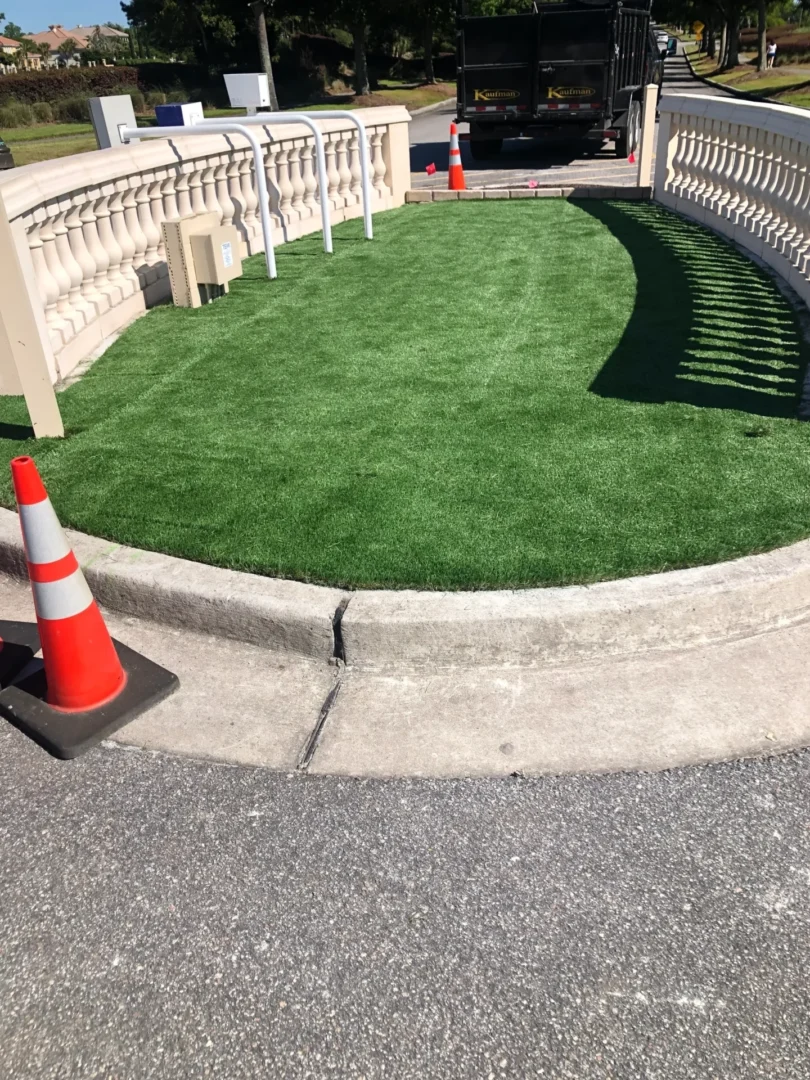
455,174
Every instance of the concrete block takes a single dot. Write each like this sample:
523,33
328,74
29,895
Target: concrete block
496,193
522,193
445,196
475,193
549,193
418,196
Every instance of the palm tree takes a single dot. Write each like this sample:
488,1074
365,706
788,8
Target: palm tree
68,50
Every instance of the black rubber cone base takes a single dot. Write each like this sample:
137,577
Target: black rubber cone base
20,643
68,734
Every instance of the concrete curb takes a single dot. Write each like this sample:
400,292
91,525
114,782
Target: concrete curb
631,192
730,90
432,108
378,629
285,615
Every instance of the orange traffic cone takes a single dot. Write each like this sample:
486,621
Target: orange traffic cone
455,175
82,668
91,685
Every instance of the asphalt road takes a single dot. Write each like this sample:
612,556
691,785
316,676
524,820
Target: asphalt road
167,918
566,163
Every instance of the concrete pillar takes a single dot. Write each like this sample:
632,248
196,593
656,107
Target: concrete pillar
664,150
24,343
645,156
397,156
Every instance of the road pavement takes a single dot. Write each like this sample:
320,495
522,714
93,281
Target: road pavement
166,918
563,163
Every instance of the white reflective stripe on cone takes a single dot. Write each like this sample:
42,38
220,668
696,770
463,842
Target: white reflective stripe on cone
44,540
62,599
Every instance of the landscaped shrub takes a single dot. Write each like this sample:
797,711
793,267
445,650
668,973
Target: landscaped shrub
16,115
72,110
155,97
138,99
43,113
56,84
177,97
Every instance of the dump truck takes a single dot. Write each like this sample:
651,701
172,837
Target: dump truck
574,69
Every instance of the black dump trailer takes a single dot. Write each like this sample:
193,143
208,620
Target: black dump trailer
573,69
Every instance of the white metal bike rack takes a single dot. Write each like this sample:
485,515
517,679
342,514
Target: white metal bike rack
223,127
266,118
362,140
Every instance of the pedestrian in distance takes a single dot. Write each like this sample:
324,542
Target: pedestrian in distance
770,53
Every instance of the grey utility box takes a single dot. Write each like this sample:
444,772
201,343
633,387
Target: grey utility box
109,114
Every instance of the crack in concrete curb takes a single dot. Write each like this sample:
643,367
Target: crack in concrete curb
308,753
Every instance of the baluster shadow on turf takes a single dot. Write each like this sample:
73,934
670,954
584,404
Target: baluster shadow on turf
708,328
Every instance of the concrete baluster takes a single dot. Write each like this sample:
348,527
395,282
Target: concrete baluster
46,282
77,311
125,240
356,185
237,199
223,194
332,174
195,191
310,198
285,188
168,191
133,220
59,275
112,284
97,260
378,162
297,181
344,172
249,196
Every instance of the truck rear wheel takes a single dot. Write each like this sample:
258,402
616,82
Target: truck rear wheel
628,138
485,149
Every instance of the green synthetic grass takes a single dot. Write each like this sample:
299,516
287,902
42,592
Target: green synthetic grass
488,394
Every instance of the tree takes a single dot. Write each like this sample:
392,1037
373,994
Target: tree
68,49
12,31
258,8
762,35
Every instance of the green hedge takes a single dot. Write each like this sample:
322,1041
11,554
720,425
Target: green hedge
63,83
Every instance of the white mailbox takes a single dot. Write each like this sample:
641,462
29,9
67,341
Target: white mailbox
248,91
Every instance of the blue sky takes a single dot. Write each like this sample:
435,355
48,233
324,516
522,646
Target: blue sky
36,15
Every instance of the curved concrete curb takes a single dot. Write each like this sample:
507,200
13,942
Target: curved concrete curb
732,91
377,629
432,108
285,615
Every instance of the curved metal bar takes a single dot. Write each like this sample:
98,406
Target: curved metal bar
362,138
224,127
266,118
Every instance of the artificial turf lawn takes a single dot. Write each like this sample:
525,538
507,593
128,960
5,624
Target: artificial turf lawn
489,394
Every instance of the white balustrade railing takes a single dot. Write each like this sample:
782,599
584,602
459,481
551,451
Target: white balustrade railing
87,229
742,168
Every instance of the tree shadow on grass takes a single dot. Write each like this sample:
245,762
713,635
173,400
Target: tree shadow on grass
708,327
